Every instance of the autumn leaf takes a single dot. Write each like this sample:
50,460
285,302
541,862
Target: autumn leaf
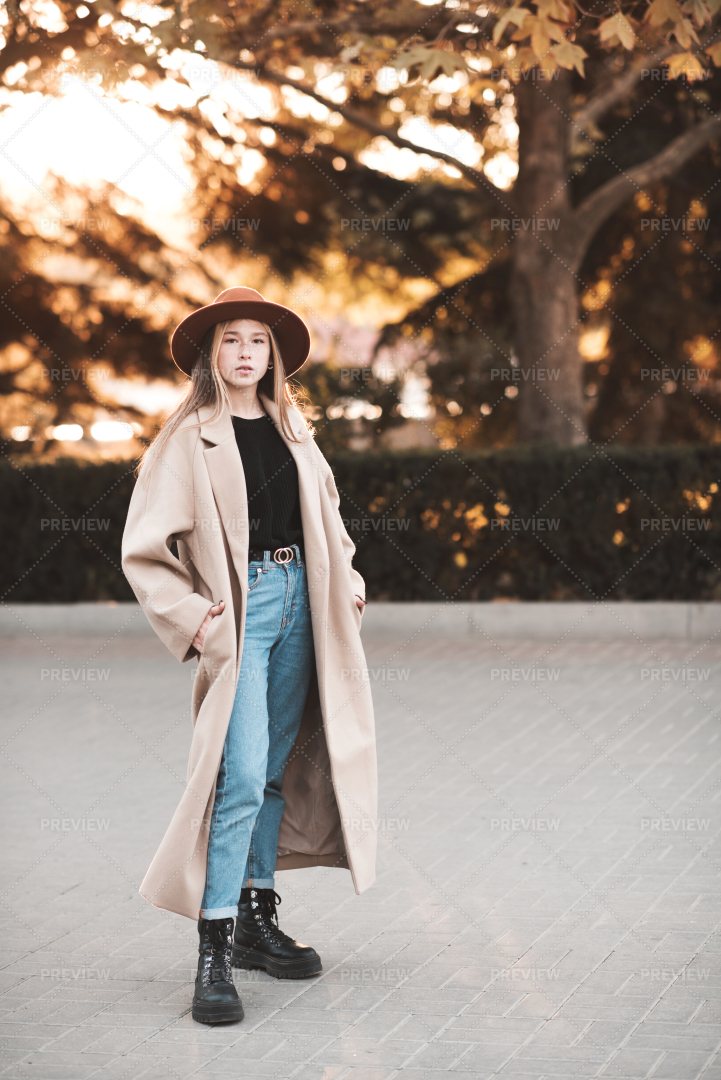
617,28
548,66
524,60
429,60
663,11
714,51
554,9
698,11
687,64
569,56
542,32
515,15
684,33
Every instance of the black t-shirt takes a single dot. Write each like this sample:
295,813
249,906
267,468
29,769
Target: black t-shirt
271,477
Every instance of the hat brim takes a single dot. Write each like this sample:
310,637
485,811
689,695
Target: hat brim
291,332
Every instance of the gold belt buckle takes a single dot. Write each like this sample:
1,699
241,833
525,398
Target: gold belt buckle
278,556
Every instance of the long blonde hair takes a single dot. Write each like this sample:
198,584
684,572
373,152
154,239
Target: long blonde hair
208,387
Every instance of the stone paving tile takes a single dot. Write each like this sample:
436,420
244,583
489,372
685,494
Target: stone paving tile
529,918
678,1066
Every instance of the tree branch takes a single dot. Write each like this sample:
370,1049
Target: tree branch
371,126
600,204
617,90
409,21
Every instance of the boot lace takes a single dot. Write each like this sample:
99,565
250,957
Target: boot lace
216,962
264,903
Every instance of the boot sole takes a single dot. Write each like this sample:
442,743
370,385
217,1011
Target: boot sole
217,1014
250,960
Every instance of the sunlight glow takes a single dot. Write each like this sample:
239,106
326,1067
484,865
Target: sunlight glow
151,397
85,136
443,137
501,170
66,432
111,431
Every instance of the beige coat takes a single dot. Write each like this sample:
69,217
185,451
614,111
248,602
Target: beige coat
196,495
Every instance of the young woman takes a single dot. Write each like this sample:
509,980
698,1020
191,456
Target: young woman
282,768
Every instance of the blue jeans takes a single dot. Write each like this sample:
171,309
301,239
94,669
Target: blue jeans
275,672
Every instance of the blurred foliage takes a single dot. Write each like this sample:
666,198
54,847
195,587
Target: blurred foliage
348,407
635,523
656,294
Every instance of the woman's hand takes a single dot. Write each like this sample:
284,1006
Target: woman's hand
360,604
203,628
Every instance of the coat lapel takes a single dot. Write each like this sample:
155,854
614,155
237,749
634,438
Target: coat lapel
227,480
311,512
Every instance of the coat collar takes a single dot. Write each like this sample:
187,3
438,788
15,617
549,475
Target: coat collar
218,430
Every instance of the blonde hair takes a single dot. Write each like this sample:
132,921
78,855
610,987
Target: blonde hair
208,387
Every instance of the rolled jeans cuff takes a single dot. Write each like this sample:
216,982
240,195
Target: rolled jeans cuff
220,913
259,883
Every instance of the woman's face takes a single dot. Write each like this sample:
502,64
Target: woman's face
244,353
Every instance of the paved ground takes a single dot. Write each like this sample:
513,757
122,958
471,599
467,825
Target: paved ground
548,891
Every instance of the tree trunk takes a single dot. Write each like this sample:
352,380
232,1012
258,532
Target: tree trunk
544,288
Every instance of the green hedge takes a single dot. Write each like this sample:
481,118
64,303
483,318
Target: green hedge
428,525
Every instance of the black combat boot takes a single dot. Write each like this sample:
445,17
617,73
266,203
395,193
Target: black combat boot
216,1000
259,943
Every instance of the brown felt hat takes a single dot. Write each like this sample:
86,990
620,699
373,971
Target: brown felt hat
290,331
